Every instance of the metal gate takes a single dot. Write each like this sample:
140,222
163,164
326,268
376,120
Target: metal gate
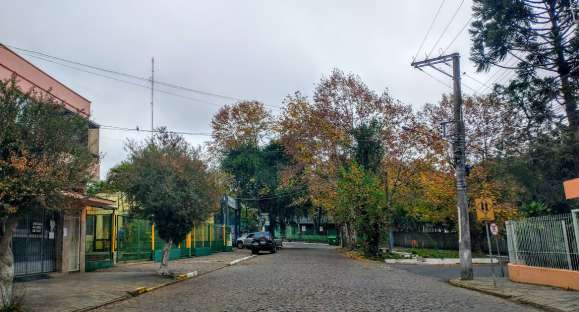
34,243
133,239
73,225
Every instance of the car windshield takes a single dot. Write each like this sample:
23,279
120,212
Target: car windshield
262,234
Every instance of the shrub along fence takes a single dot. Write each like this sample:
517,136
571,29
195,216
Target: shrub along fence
447,241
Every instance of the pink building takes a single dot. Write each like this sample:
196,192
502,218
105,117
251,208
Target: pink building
51,240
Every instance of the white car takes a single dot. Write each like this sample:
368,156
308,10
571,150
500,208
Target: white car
244,240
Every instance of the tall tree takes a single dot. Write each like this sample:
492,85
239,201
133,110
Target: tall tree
360,202
369,149
166,182
43,156
244,123
320,135
541,36
370,212
257,176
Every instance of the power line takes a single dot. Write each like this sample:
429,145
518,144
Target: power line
444,83
429,28
471,77
501,78
436,79
115,128
127,75
446,28
287,194
148,87
457,35
117,79
498,75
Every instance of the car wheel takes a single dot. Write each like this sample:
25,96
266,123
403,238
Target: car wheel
240,245
254,251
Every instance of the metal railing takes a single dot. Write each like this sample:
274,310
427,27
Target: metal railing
547,241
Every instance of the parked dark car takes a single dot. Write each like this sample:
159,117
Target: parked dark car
262,241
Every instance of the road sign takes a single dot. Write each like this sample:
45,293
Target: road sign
571,188
484,209
494,229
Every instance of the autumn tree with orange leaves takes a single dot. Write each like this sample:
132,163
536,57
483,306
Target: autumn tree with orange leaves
491,129
319,134
244,123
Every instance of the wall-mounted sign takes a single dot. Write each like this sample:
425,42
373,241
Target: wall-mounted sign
571,188
52,227
36,228
494,229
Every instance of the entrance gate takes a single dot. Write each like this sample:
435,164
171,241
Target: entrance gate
34,243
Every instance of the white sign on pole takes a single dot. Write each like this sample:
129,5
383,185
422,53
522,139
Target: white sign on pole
494,229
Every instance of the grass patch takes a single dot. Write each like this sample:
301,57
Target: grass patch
391,255
430,253
437,253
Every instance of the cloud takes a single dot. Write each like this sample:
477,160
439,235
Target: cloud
260,50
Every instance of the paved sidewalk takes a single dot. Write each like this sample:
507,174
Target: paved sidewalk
79,291
547,298
437,261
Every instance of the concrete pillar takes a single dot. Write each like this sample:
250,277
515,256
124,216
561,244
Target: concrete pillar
64,243
82,240
59,233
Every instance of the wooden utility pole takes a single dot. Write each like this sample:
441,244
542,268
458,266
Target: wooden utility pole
459,158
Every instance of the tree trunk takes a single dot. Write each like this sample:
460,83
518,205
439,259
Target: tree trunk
564,70
6,263
347,235
164,268
351,232
570,109
341,229
283,227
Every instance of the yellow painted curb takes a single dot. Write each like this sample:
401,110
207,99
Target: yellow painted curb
138,291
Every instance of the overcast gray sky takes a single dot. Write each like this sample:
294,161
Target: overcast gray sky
250,49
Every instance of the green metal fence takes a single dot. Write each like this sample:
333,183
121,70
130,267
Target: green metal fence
133,239
293,233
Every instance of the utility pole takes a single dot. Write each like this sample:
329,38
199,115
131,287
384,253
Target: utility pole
459,158
152,92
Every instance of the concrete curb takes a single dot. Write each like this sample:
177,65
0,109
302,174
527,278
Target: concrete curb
435,261
236,261
142,290
522,300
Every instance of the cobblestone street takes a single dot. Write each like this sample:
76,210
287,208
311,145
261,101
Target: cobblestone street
313,278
